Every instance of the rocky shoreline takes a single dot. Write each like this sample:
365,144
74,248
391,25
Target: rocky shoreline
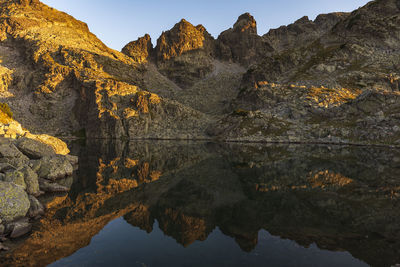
29,169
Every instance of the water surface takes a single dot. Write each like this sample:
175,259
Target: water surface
206,204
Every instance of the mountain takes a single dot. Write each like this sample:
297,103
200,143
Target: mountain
331,80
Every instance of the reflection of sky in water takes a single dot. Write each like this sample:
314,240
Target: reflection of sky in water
120,244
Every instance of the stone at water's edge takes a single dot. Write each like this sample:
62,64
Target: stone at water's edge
58,145
36,208
20,228
34,149
31,181
14,202
55,167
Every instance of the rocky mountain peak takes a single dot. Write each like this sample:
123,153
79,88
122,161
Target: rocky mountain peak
23,2
140,50
301,20
303,31
183,37
330,19
246,23
241,43
378,20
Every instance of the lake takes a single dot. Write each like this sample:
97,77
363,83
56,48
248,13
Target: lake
167,203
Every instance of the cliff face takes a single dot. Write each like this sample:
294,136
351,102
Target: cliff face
303,31
241,43
184,53
64,79
293,84
140,50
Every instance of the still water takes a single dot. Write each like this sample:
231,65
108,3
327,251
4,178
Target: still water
207,204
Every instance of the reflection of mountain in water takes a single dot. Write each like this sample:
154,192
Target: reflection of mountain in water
339,198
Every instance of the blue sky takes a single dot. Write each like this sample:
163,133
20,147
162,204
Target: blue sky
118,22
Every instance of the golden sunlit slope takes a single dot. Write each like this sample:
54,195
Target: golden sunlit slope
64,79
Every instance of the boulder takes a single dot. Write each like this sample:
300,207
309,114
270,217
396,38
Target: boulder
31,181
14,202
55,167
34,149
36,208
15,177
9,154
9,151
74,160
20,228
59,146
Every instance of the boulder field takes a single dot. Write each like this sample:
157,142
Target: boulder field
28,170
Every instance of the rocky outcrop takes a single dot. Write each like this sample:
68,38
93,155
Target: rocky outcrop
302,32
33,145
28,169
242,43
184,53
140,50
14,202
279,113
74,83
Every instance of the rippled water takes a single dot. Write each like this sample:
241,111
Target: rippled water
205,204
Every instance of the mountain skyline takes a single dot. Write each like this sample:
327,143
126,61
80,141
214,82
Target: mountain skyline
120,23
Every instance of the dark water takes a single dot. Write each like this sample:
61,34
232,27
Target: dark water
200,204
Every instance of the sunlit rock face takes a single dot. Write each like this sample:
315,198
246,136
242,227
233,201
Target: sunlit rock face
65,80
184,53
140,50
339,198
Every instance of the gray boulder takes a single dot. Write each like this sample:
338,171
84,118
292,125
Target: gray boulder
34,149
55,167
9,154
14,202
19,228
15,177
36,208
31,181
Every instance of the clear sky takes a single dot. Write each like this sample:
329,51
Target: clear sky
117,22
